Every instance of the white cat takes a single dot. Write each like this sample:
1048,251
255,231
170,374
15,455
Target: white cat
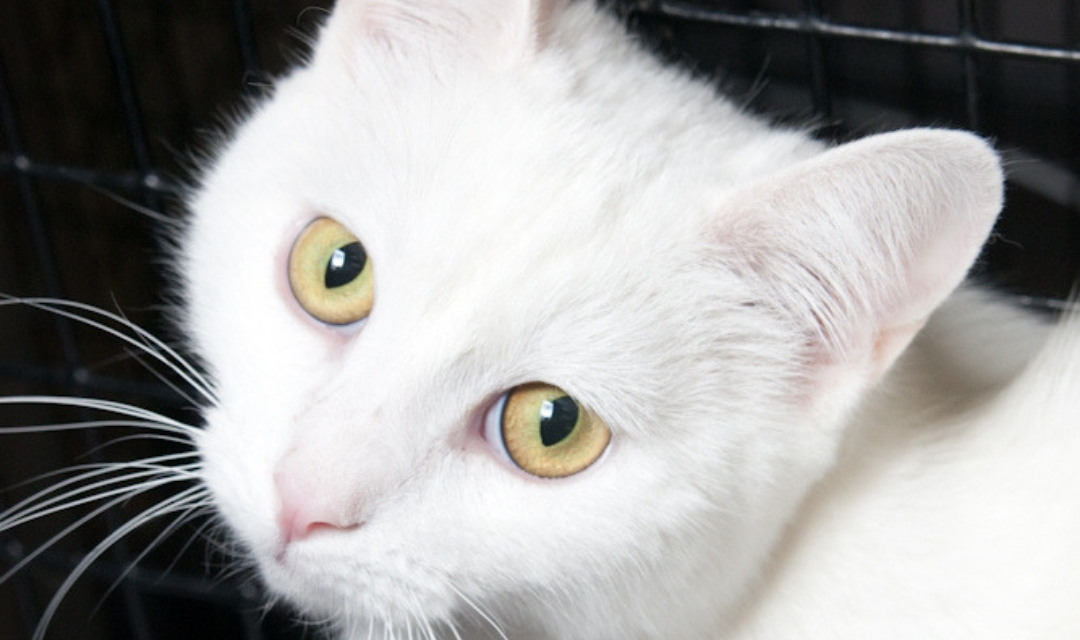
517,333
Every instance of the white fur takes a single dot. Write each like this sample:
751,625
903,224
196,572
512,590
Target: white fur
726,295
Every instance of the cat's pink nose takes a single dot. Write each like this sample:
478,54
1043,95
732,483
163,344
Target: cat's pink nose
305,510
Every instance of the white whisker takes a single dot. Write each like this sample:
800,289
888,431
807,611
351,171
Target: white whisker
479,611
126,495
140,437
146,419
66,501
423,631
454,630
150,466
197,502
144,340
88,424
204,508
427,627
416,615
163,379
156,216
87,467
176,503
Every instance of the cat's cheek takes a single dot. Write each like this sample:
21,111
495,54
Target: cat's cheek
246,505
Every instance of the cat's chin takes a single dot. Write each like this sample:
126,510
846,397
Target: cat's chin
322,583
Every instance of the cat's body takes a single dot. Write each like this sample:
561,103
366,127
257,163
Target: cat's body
951,511
543,202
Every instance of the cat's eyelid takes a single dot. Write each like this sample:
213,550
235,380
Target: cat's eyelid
492,429
346,330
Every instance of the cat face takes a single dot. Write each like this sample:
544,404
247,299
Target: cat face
477,290
565,213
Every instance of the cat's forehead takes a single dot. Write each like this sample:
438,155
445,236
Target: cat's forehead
479,178
419,148
476,148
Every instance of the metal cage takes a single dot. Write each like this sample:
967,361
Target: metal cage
101,100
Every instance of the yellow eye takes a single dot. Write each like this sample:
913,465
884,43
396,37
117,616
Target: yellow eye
330,274
546,432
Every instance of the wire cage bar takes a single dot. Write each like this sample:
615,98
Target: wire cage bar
806,48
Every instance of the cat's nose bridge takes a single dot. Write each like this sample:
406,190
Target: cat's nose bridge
305,510
333,474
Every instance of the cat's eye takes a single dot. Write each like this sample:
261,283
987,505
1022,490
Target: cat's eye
330,274
546,432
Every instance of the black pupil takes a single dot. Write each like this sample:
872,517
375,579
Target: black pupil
345,265
558,418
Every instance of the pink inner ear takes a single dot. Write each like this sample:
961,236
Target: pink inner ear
891,342
863,242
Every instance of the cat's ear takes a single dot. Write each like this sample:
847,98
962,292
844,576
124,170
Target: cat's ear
862,242
498,32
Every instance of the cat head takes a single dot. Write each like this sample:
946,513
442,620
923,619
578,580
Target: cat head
461,223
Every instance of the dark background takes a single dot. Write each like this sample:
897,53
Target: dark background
105,101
